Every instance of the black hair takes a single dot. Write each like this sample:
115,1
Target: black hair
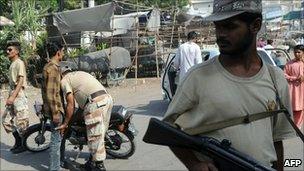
248,17
14,43
191,35
53,48
299,47
269,41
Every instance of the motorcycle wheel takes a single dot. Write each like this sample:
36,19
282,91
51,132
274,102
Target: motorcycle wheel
34,141
127,146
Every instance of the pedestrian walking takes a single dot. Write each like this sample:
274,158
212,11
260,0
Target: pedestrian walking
16,115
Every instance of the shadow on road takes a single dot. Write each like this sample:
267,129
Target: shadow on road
156,108
38,161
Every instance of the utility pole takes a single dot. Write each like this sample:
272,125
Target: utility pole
302,15
86,40
61,5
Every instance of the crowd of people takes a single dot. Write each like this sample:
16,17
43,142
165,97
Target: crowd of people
234,84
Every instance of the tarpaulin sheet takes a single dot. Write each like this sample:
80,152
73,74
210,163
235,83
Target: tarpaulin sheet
123,23
96,18
120,57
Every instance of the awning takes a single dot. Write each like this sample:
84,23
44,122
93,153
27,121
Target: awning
96,18
100,19
294,15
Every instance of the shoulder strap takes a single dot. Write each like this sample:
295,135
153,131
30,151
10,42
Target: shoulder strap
248,118
232,122
286,112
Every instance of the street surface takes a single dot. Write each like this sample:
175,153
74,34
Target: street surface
145,100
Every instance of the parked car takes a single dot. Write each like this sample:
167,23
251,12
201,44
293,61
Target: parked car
280,58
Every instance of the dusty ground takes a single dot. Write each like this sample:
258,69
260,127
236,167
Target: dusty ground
145,100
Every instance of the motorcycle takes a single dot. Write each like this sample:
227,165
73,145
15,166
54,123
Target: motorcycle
119,138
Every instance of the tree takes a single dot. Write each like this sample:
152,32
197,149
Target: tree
27,16
5,9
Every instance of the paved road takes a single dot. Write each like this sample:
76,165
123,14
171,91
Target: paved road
145,101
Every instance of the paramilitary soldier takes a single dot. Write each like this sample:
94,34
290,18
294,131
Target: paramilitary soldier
15,118
96,103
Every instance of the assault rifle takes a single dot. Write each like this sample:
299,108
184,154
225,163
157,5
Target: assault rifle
224,156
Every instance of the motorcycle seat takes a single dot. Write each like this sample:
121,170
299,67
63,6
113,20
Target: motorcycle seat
117,113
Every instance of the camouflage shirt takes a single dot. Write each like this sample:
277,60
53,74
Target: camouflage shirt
51,89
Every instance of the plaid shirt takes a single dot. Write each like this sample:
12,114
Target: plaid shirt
51,89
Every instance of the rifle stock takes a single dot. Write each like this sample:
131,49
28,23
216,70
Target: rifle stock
224,156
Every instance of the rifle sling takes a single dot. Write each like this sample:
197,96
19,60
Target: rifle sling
232,122
250,118
286,113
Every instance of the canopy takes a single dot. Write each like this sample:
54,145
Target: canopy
100,19
294,15
96,18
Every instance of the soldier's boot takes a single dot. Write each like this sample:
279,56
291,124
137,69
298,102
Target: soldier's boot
93,165
17,141
99,166
20,144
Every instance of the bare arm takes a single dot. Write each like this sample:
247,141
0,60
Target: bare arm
278,165
69,108
188,158
69,113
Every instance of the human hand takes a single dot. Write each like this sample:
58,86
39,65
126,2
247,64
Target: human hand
203,166
10,101
62,128
57,118
302,78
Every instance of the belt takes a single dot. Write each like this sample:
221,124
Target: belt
94,95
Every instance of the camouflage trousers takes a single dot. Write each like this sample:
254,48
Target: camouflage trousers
16,116
97,115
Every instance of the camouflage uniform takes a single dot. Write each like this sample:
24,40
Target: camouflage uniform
15,117
97,116
97,111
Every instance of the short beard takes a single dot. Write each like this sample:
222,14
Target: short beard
241,46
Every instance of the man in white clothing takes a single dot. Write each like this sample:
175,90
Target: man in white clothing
188,55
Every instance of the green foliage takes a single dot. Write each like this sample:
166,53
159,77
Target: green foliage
41,44
51,5
35,63
5,8
162,3
27,17
4,62
4,65
72,4
74,53
101,46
